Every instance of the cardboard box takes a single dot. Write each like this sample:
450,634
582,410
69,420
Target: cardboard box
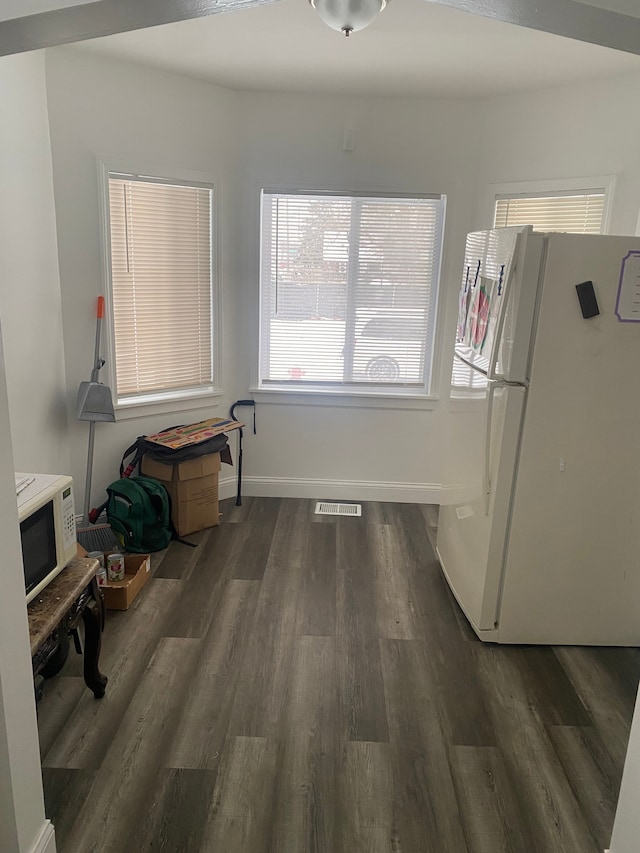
119,595
193,489
184,436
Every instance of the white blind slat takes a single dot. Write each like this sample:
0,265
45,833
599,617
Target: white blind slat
161,279
581,213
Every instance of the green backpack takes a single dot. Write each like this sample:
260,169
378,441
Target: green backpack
139,514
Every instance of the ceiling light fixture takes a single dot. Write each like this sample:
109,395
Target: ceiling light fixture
348,16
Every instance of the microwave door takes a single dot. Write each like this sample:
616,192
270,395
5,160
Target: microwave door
39,553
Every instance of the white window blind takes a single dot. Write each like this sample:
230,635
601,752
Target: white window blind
348,289
161,286
571,211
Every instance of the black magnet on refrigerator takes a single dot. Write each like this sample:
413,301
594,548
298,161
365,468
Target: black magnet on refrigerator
587,298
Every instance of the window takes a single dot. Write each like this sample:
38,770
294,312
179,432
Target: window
574,211
348,291
161,288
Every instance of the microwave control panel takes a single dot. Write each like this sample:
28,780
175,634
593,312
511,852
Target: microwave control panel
68,518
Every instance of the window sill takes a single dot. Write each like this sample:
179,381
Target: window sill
355,399
175,403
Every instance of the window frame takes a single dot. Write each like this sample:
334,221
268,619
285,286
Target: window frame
168,401
356,394
553,187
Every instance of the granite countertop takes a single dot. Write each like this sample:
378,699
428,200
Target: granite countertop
48,608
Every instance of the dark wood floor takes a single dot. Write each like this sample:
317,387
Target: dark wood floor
299,683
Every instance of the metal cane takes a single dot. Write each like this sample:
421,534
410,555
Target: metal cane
233,417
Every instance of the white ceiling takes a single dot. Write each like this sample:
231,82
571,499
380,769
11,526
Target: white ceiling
414,48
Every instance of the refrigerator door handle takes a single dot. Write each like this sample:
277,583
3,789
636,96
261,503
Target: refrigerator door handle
486,475
494,385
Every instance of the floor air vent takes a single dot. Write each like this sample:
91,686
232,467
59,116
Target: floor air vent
324,508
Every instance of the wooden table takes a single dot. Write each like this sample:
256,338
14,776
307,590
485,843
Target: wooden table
72,595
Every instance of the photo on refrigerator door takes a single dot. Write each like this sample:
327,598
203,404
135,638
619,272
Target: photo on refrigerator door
483,314
475,252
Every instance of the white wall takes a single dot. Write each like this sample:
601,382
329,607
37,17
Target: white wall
146,119
29,280
27,227
106,109
404,145
22,818
575,131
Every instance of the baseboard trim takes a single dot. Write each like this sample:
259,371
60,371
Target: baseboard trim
46,843
345,490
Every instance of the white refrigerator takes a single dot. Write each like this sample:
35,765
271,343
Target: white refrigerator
539,526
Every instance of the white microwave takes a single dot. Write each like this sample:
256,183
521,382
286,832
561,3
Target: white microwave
47,527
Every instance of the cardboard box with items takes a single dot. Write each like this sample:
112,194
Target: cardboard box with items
187,460
193,489
119,595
